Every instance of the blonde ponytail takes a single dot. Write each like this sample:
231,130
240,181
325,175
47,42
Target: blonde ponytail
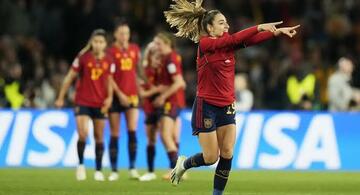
186,17
96,32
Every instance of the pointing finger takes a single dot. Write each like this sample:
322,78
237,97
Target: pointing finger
276,23
295,27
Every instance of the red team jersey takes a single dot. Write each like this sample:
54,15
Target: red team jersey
91,86
126,61
216,64
171,67
151,75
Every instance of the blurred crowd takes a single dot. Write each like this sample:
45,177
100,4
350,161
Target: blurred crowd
40,38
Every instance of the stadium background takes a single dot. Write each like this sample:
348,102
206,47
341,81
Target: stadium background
39,39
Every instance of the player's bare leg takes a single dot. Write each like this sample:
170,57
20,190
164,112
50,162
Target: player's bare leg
114,120
99,125
132,117
82,122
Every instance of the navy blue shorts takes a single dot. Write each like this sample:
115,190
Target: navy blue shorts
207,118
117,107
153,118
169,109
92,112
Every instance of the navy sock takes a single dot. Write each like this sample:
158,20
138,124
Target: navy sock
150,154
218,192
113,150
196,160
80,151
99,151
221,175
173,155
132,146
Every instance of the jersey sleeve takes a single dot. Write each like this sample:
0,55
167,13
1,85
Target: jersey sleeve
258,38
174,66
112,68
208,44
77,64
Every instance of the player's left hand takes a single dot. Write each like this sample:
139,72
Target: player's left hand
159,101
289,31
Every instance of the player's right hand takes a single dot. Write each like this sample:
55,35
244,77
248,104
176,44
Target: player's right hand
269,26
59,103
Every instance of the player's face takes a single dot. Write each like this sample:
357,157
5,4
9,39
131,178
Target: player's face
219,26
122,34
98,43
155,59
162,47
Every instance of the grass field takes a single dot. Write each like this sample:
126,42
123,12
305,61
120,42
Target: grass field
62,181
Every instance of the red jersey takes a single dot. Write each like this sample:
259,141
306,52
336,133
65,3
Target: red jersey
171,67
181,98
91,86
151,75
126,61
216,64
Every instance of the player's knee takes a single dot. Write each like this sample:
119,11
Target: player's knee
226,152
82,135
152,140
210,158
114,133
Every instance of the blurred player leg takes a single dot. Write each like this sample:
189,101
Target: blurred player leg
150,153
82,128
176,137
132,116
99,125
177,131
166,126
114,120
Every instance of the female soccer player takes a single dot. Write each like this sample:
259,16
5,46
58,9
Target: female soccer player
149,91
126,56
213,118
92,68
171,77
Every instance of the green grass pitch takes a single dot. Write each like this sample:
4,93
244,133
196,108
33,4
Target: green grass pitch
62,181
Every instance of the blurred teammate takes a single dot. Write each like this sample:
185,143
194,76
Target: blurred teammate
92,68
170,77
213,118
126,56
150,90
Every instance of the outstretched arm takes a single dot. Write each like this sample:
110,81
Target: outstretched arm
263,36
211,44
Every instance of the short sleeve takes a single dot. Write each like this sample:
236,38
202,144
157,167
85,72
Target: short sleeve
112,68
173,66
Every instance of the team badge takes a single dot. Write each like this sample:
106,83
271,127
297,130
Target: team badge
208,123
